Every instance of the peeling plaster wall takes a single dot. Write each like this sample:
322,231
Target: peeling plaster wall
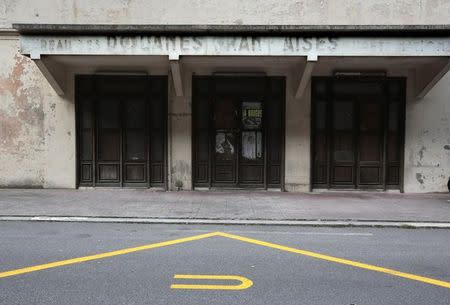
22,131
427,139
225,12
35,147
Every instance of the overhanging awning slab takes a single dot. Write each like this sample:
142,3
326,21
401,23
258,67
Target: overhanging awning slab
175,46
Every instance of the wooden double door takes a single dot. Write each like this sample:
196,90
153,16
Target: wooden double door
358,133
121,130
238,131
357,142
238,152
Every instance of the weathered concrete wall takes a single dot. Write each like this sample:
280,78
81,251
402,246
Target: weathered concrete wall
60,160
427,139
298,140
36,136
226,12
180,135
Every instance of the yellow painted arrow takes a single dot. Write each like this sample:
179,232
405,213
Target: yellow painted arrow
245,282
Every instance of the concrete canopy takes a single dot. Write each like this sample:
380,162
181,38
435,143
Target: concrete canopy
130,43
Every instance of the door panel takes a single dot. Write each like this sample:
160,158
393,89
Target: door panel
109,172
369,175
135,173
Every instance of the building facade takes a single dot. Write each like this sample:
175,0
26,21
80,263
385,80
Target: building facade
284,95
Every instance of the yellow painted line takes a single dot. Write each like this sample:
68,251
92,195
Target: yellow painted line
245,282
410,276
339,260
104,255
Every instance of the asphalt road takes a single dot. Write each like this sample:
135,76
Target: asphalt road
278,275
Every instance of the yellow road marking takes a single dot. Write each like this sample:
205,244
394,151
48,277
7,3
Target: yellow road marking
339,260
245,282
236,237
104,255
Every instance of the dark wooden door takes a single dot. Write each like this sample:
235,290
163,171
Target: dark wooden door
121,130
343,143
109,142
251,158
135,142
234,143
238,141
370,133
226,132
358,132
357,142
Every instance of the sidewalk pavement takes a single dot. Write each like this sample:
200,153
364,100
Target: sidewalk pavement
225,207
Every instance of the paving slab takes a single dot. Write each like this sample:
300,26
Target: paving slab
226,205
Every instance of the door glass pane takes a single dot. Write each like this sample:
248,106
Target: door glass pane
225,148
108,112
135,111
86,110
225,114
321,115
370,145
252,145
320,147
370,116
273,115
203,145
157,113
157,146
86,145
109,130
251,115
135,145
109,145
249,145
393,151
393,117
343,115
201,111
343,146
